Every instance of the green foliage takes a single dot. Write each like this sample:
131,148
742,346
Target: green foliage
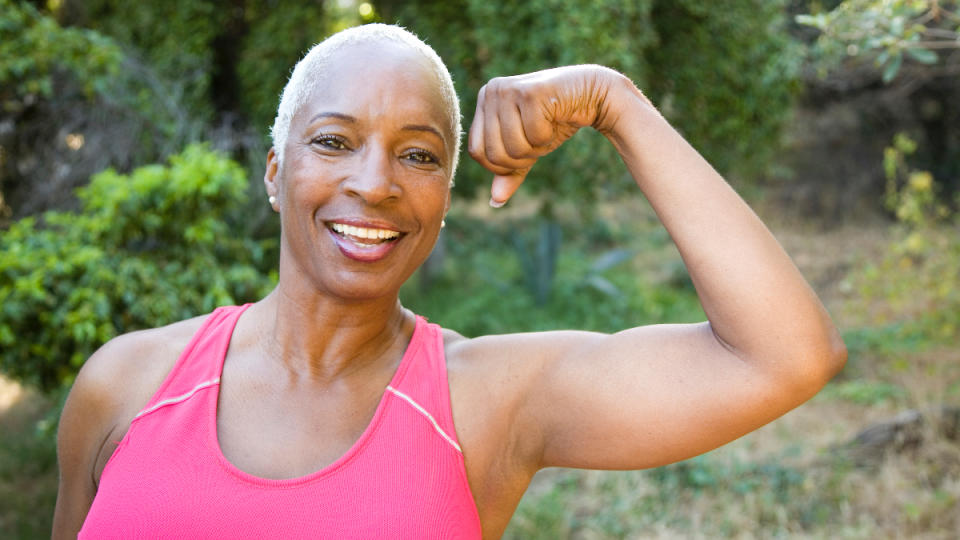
34,48
862,392
725,73
146,249
216,56
481,289
886,31
174,37
280,33
910,194
912,45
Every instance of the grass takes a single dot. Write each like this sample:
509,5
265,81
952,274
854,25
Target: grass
797,477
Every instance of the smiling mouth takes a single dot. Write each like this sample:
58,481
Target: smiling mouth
364,236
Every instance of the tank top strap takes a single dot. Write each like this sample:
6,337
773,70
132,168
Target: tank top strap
423,381
201,362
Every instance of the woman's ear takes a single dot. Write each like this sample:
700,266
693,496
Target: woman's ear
271,179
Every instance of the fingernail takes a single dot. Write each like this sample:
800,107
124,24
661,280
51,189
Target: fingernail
497,204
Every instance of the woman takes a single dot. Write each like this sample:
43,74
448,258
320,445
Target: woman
327,409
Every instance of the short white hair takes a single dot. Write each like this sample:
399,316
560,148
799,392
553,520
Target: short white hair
309,69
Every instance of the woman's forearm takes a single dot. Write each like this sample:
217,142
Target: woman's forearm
756,300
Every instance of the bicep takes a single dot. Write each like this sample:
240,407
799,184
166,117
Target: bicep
646,397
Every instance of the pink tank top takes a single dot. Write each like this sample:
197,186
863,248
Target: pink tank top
403,478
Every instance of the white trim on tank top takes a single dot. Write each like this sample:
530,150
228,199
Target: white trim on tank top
178,399
428,416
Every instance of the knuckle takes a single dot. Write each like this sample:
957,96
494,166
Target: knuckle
515,92
516,152
540,140
493,156
500,160
475,151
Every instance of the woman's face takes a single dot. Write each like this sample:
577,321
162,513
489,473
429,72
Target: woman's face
366,174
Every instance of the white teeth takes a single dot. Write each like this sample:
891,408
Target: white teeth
362,232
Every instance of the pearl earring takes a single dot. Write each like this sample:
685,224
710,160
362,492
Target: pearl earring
443,223
272,200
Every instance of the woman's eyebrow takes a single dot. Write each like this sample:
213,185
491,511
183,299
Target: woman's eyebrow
330,114
421,127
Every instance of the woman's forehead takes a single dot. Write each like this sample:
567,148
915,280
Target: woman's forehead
381,82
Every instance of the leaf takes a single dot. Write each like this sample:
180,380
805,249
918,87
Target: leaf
892,68
896,26
610,259
924,56
816,21
604,286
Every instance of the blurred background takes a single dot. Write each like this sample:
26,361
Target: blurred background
133,138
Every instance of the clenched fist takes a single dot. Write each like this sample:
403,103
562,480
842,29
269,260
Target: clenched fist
522,118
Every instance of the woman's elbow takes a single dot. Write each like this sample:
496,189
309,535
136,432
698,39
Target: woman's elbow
821,361
836,356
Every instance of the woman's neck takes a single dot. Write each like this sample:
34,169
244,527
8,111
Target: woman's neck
325,338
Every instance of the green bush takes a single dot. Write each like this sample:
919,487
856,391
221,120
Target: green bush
161,244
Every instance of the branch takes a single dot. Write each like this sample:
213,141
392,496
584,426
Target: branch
931,44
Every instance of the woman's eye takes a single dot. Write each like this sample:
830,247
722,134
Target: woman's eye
421,156
330,141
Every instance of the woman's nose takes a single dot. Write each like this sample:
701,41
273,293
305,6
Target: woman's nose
373,180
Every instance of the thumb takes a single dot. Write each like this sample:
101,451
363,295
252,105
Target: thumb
504,187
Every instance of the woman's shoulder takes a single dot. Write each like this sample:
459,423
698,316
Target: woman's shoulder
506,364
524,347
138,359
118,380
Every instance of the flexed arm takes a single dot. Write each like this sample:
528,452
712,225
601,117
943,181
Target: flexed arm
653,395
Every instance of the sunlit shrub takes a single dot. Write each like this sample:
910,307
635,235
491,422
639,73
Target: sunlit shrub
161,244
916,281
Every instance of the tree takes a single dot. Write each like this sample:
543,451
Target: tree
888,31
913,47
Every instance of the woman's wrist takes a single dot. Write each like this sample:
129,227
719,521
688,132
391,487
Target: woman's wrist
628,115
